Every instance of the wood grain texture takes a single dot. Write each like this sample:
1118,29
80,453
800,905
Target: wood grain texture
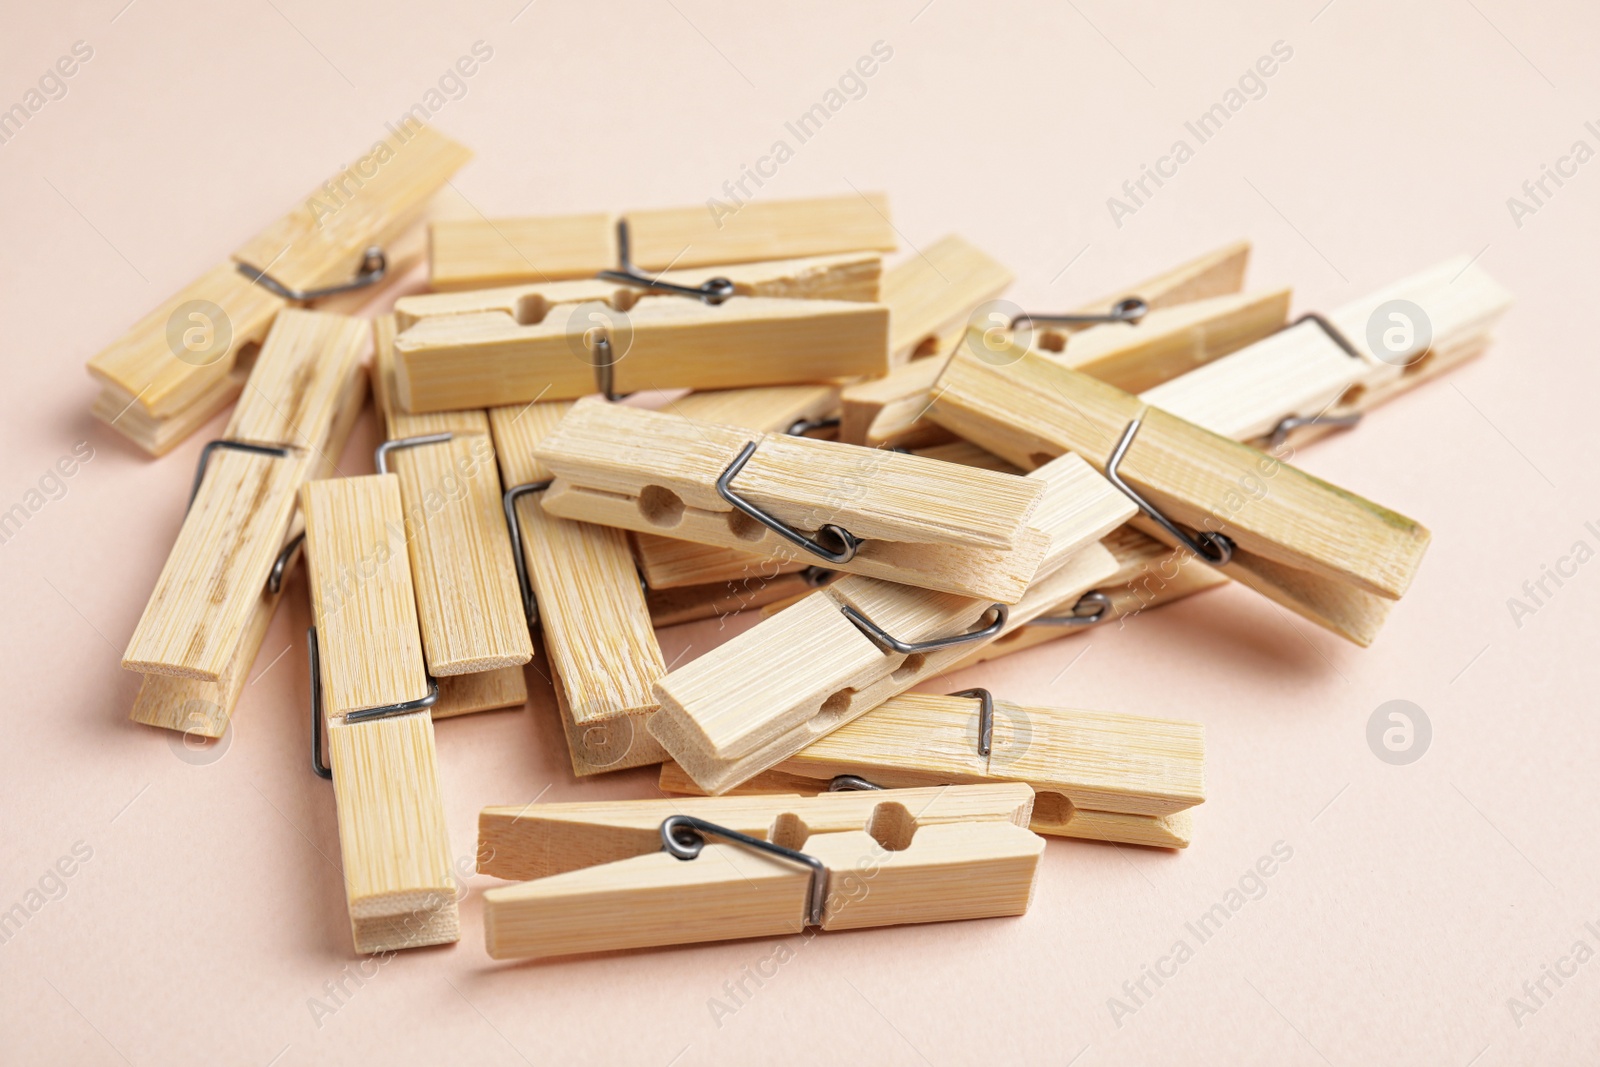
943,873
203,601
451,357
1302,372
923,522
1082,764
392,837
321,242
1320,551
893,410
523,841
671,563
481,253
463,694
930,294
456,536
143,364
592,611
690,603
807,670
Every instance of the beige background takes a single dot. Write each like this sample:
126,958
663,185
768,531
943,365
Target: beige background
1418,898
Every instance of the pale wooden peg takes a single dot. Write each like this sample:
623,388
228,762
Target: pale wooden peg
188,359
773,689
461,557
522,841
930,294
482,253
1100,776
804,321
1304,373
392,836
670,563
207,612
917,521
1324,553
900,856
597,629
1149,574
892,411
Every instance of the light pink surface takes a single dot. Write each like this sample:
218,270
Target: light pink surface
1418,898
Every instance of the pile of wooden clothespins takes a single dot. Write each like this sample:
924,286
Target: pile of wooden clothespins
998,480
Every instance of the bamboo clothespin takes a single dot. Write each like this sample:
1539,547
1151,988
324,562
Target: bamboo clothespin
640,873
461,557
583,587
931,294
371,689
1096,775
181,364
1324,553
480,253
1325,372
209,611
783,323
1295,384
861,511
892,411
845,648
729,579
1149,574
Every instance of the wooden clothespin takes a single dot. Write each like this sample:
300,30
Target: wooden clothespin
861,511
782,323
480,253
850,645
1322,552
1149,574
209,611
728,596
892,411
1096,775
931,294
468,600
728,580
1324,372
371,689
640,873
180,365
582,587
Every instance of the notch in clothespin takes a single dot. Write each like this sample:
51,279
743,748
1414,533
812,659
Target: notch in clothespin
843,649
371,691
1126,338
630,874
730,576
582,588
209,610
1097,775
1324,553
461,557
861,511
181,364
1324,372
482,253
781,323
